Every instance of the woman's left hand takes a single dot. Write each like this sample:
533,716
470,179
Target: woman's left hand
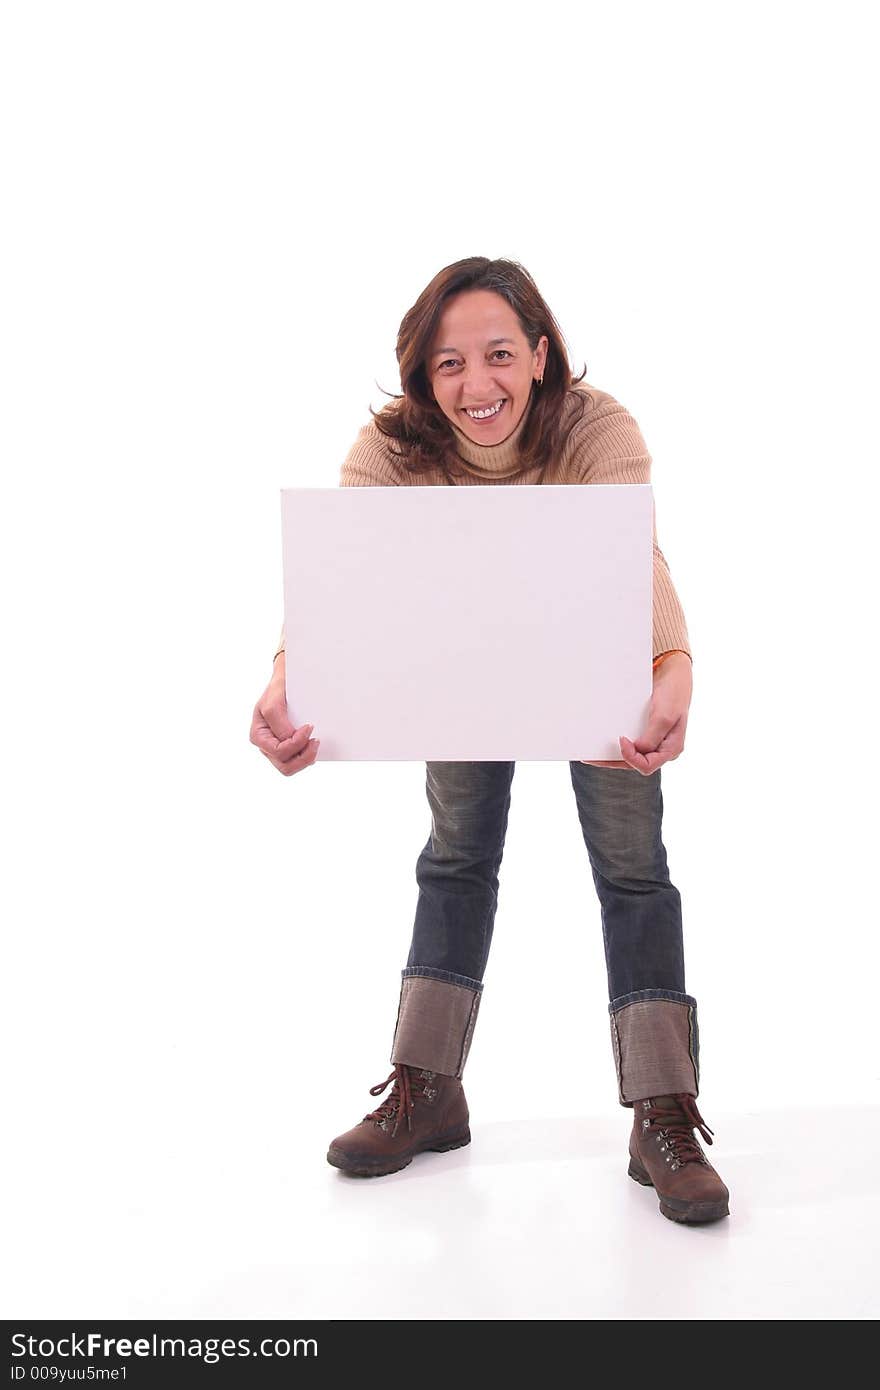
663,739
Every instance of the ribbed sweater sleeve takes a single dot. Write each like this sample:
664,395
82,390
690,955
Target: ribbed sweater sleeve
369,462
610,449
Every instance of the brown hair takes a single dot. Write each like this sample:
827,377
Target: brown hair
414,418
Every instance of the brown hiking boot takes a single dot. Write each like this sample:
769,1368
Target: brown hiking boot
424,1110
664,1154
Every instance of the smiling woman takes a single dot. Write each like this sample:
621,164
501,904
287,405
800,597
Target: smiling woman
488,397
480,354
484,385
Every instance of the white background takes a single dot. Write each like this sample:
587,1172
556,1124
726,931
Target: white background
216,217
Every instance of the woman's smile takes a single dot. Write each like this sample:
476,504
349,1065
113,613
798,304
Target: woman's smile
488,414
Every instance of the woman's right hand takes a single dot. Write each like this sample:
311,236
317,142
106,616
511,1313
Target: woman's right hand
288,749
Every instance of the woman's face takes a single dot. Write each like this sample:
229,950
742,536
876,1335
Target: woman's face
479,357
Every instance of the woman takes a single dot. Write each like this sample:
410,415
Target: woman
488,398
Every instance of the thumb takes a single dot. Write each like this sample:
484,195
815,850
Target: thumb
653,736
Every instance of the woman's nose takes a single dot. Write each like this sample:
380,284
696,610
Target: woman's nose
476,383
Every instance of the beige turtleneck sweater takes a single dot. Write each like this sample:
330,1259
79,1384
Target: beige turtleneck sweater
606,446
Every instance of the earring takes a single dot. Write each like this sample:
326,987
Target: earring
539,381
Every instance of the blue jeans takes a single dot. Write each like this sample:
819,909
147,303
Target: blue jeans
620,813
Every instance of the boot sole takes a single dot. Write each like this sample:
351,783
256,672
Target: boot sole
675,1208
363,1167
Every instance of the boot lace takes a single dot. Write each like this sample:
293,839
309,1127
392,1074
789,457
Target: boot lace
391,1107
676,1125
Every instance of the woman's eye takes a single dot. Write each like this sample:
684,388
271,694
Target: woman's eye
450,361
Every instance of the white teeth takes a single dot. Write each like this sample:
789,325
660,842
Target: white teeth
484,414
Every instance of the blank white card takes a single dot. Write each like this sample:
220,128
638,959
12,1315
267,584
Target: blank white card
469,623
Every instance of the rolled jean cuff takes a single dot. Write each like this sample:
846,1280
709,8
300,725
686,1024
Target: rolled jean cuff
431,972
656,1044
436,1017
